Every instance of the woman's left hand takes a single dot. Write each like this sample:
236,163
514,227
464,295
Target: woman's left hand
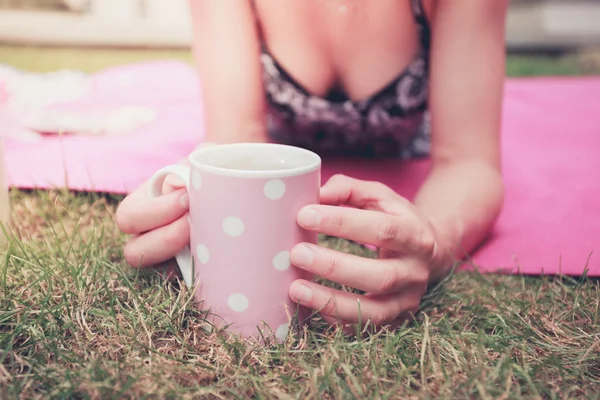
409,248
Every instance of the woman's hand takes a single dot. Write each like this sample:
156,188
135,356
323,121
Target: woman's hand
409,248
159,226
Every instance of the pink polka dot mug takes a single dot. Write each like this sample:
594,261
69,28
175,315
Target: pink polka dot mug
244,199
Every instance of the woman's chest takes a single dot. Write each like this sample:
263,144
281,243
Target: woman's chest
356,45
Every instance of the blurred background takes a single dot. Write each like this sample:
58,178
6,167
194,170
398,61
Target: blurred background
543,36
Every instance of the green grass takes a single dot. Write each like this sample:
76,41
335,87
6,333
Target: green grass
38,59
76,322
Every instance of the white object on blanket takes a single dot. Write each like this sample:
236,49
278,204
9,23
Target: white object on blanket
29,90
114,122
26,101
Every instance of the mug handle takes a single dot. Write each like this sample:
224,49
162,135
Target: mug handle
184,257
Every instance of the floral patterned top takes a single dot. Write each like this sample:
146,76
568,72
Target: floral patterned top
394,122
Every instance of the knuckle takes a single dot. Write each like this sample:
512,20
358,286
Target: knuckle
174,239
132,256
382,315
389,281
341,182
397,277
332,265
123,220
380,187
338,222
381,190
388,230
427,243
340,178
422,276
330,307
172,183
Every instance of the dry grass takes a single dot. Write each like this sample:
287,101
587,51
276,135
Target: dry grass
76,322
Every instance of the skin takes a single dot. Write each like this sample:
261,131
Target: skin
359,45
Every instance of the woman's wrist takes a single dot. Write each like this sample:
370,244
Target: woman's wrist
448,233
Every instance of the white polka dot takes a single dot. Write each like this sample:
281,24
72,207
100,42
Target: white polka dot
238,302
274,189
202,254
233,226
282,332
281,261
196,179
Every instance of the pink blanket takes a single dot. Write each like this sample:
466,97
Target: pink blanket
551,144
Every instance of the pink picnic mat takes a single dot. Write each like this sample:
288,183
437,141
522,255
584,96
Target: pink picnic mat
551,144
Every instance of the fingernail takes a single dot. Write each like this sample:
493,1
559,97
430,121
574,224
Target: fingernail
303,256
184,200
302,293
309,217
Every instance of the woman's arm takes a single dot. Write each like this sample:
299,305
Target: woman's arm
463,194
226,49
227,52
454,209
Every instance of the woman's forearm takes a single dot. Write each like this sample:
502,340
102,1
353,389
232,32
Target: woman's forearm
463,201
464,192
226,48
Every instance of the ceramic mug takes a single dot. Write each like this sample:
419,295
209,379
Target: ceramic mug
244,199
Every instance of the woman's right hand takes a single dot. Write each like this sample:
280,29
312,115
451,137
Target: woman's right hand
159,227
